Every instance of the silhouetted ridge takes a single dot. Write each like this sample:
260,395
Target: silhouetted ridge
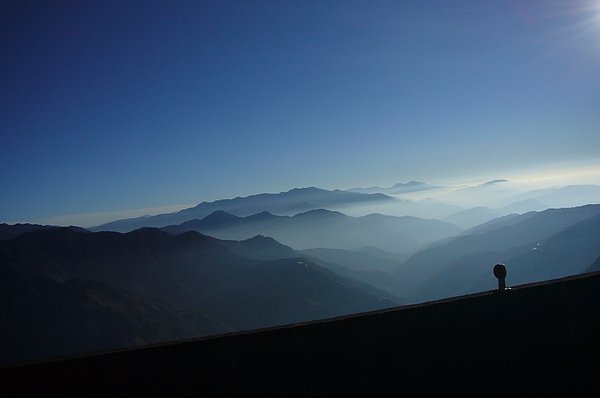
261,248
201,283
8,232
262,216
319,213
220,218
326,228
399,188
285,203
537,246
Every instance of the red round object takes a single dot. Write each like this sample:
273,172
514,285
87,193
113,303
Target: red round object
500,271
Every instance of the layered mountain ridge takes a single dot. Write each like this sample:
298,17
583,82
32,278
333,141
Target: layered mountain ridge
60,282
324,228
535,246
285,203
273,259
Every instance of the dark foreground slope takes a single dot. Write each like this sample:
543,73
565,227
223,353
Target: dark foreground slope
527,341
67,292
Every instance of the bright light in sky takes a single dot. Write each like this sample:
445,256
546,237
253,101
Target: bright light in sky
588,24
112,106
593,10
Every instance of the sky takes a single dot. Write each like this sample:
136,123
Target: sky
114,106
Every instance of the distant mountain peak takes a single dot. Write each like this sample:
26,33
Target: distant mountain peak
320,213
398,188
304,190
220,214
411,183
259,238
219,217
263,215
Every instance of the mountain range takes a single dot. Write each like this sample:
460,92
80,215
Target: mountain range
274,259
534,246
326,229
398,189
285,203
469,206
12,231
65,291
465,206
495,199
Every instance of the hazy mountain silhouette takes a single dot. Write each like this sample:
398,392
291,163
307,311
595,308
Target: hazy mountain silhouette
12,231
62,284
422,208
377,252
365,267
535,246
373,269
397,189
354,260
324,228
503,221
495,236
284,203
473,217
261,248
499,198
569,196
487,194
568,252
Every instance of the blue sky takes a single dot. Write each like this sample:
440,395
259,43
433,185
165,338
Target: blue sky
117,105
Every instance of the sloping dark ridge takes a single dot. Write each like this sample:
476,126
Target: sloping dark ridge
534,338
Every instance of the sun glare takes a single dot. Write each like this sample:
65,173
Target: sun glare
588,25
579,27
595,9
